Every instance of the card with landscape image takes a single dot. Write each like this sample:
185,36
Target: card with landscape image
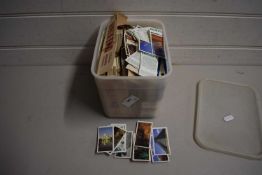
105,140
143,133
160,141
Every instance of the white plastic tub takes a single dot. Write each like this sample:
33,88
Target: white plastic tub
114,91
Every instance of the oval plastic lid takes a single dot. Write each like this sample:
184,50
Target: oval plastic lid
228,119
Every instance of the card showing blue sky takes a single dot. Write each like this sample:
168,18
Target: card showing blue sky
161,144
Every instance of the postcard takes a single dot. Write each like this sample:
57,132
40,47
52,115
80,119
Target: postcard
141,154
105,140
157,43
148,65
118,134
129,143
145,47
143,133
160,141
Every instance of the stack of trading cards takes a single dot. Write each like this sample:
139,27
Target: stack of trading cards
115,140
141,148
147,144
160,148
145,51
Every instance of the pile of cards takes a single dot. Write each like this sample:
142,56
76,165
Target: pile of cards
115,140
144,48
148,143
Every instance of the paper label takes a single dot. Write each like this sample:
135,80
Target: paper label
129,101
228,118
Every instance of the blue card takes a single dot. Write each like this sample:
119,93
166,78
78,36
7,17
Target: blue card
145,47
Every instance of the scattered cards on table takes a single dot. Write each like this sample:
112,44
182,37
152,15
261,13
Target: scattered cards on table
146,144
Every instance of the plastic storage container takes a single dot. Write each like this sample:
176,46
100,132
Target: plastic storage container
132,97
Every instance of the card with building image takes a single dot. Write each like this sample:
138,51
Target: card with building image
105,140
141,154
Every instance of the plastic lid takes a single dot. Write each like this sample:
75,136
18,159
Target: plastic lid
228,119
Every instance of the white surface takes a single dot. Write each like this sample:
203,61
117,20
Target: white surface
49,118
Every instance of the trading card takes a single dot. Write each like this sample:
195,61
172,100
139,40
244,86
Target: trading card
158,45
118,134
121,146
160,158
160,141
141,154
129,143
105,140
145,47
148,65
143,132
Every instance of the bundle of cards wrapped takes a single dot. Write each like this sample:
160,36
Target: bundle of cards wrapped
147,144
115,140
131,50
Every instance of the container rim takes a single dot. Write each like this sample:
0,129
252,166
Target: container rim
93,65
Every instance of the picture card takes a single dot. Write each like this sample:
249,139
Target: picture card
157,43
141,154
145,47
118,135
105,140
129,145
121,146
148,65
160,141
157,158
143,133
